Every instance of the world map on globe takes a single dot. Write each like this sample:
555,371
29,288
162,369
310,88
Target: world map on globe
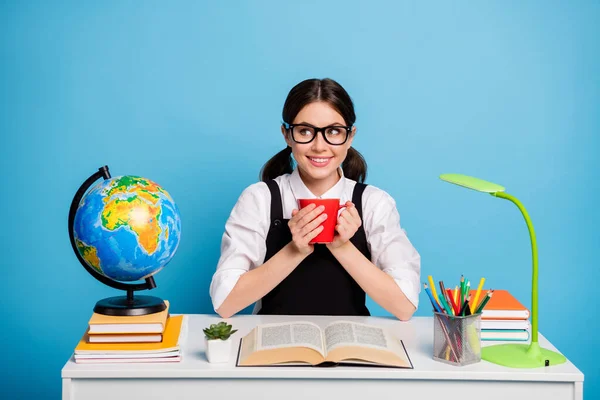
127,228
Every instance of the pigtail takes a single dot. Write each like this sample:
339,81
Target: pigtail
355,166
281,163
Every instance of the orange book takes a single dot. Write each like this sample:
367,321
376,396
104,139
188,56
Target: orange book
502,305
142,324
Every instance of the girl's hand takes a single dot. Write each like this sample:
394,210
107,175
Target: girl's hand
305,225
347,224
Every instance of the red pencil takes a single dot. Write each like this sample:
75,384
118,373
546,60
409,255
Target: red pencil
452,302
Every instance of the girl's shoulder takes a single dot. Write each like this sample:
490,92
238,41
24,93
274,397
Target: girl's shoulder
374,196
255,191
260,190
370,190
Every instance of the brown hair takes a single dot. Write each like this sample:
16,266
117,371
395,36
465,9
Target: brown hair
304,93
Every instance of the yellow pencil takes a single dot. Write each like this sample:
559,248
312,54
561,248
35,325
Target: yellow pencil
456,294
433,291
474,303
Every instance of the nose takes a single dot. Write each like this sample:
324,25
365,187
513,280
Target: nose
319,143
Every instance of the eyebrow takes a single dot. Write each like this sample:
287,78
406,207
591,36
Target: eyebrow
313,126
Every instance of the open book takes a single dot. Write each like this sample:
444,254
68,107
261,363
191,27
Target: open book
305,343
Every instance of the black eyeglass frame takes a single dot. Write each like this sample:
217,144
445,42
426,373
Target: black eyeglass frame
290,127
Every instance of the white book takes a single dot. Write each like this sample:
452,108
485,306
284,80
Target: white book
504,334
128,355
124,338
504,324
127,360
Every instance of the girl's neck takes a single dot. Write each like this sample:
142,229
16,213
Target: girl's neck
320,186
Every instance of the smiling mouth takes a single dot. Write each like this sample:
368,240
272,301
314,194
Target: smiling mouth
319,161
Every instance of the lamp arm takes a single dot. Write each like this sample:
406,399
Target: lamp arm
534,285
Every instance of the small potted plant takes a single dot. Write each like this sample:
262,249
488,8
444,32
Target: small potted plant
218,342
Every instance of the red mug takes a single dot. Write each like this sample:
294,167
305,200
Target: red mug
332,206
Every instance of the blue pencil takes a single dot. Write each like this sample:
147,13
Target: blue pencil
433,302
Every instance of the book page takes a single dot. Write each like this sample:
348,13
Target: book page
294,334
350,340
346,333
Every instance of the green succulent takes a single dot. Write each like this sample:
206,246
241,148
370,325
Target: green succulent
222,331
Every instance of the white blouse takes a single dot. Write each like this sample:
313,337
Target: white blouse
243,246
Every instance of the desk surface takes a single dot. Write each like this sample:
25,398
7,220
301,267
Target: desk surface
417,335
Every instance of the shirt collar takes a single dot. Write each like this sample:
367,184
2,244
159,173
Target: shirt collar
300,190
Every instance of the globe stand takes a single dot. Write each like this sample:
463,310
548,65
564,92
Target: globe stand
128,305
119,305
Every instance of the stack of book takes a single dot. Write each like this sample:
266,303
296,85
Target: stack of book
119,339
504,318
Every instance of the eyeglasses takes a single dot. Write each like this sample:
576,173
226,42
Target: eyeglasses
334,134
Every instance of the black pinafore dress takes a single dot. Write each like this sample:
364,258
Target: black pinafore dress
319,285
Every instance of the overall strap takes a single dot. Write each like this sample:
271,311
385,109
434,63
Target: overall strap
359,188
276,207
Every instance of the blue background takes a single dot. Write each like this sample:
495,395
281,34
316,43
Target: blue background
190,95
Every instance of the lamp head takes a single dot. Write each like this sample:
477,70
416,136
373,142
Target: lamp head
472,183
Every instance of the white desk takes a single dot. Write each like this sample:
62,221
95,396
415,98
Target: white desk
195,378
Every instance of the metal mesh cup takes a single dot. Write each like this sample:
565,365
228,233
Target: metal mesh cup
456,339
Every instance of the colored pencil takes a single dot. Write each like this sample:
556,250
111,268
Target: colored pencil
484,302
452,303
462,289
433,291
456,295
465,305
444,293
442,289
434,303
446,305
477,294
445,324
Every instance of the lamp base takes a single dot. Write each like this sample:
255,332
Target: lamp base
521,355
122,306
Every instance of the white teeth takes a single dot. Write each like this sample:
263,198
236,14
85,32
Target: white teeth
319,160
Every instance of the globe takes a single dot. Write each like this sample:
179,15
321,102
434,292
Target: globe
127,228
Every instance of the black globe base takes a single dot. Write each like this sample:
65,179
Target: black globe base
124,306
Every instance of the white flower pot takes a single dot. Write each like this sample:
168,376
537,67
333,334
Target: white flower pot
217,350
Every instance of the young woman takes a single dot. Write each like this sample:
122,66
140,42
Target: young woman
266,257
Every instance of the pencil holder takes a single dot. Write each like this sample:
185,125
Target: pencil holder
456,339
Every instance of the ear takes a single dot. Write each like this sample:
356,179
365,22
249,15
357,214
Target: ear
288,141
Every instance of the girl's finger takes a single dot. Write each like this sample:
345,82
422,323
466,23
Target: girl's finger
310,216
354,212
353,218
312,225
292,220
302,212
346,220
311,235
341,229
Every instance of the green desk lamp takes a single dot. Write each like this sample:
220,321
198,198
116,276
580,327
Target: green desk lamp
513,355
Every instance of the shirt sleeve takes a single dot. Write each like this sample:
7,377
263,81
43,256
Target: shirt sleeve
243,246
391,250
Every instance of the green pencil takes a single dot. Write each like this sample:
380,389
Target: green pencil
484,302
462,290
445,305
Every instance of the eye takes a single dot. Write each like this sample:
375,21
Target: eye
334,131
